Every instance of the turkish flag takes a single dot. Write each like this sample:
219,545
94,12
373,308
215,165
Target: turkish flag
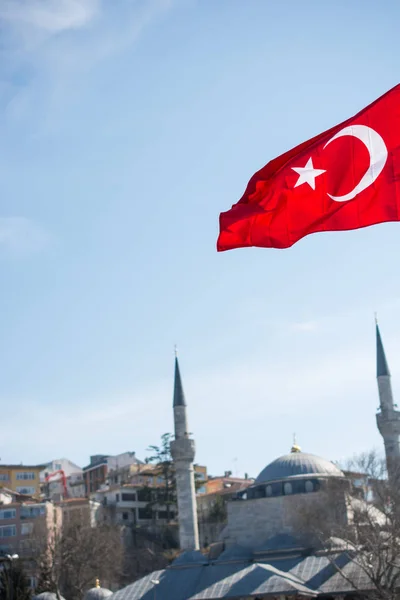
345,178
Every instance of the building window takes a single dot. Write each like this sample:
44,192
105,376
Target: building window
162,514
268,490
117,497
309,486
32,582
26,528
25,490
287,489
128,497
31,512
4,477
144,495
25,475
8,531
259,492
145,513
58,467
125,516
161,479
9,513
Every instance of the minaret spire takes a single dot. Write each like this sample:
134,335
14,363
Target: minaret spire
388,419
183,452
382,369
179,396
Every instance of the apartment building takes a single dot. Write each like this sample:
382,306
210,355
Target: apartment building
24,479
26,526
128,504
81,510
60,479
225,487
97,473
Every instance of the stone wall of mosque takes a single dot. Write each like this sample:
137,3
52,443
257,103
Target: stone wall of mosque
251,522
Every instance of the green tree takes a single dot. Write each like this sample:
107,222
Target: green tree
14,584
165,493
218,512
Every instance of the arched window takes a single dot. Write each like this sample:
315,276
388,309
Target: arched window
287,488
268,490
310,486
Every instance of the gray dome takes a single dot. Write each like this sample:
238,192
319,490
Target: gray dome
97,593
298,464
47,596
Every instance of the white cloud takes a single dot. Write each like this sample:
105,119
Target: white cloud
49,15
20,236
55,44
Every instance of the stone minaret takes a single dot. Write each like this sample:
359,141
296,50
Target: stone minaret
183,451
388,418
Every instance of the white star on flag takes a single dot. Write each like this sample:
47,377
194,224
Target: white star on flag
307,174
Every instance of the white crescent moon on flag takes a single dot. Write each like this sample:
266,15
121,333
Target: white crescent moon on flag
377,157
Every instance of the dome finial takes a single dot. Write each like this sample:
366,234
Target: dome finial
295,447
97,583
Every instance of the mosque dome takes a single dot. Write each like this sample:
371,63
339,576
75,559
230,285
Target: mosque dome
298,464
97,593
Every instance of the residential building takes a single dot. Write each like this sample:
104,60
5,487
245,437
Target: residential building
225,487
95,474
26,526
60,479
125,459
200,475
128,504
104,466
82,510
8,496
226,482
24,479
363,484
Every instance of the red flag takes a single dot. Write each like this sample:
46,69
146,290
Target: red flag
345,178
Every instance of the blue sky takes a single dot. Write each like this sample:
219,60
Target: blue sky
126,127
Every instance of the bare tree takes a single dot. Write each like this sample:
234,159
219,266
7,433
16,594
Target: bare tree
362,522
71,561
14,584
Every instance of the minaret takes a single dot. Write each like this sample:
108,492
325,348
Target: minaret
183,451
388,419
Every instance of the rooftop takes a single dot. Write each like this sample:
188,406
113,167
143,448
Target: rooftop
21,466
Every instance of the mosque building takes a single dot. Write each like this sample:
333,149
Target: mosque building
265,550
